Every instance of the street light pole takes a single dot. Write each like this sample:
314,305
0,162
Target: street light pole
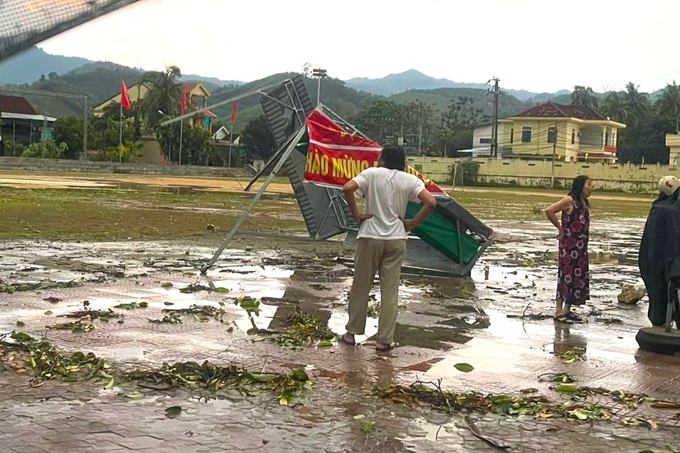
319,74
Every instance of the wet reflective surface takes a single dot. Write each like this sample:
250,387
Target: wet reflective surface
499,321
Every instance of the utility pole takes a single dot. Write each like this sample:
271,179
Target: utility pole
496,91
319,74
552,169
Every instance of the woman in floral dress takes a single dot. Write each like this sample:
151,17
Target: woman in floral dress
573,276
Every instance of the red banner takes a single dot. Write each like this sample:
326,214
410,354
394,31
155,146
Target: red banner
335,156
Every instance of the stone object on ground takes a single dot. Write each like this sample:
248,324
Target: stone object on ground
631,295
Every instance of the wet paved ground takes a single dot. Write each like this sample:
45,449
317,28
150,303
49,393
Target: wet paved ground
443,322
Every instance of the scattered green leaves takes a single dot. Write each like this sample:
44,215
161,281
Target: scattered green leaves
302,329
573,355
47,362
194,288
201,313
250,305
75,327
464,367
367,426
132,305
170,318
173,411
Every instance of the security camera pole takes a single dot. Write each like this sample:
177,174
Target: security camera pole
319,74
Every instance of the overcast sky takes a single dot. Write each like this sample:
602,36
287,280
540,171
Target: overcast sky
538,45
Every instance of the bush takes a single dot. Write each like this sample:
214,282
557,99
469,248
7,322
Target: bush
125,153
14,149
467,172
47,150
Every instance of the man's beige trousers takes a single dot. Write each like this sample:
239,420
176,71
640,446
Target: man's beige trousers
384,256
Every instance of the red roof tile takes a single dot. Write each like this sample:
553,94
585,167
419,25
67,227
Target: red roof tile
552,110
15,104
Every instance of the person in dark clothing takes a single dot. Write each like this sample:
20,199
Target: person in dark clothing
659,256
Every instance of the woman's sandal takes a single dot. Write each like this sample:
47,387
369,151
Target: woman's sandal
563,318
344,339
574,317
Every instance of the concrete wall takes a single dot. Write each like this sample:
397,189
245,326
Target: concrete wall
150,152
625,177
23,163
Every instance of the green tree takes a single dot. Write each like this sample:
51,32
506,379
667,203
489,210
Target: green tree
668,105
614,106
257,137
132,117
196,147
637,103
418,124
165,94
69,130
584,96
380,120
458,123
103,133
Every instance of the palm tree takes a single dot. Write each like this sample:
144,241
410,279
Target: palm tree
637,103
164,94
668,104
614,106
584,96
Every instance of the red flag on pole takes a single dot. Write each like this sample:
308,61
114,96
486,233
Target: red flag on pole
183,104
124,98
234,111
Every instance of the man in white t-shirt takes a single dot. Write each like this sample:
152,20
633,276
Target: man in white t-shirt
382,239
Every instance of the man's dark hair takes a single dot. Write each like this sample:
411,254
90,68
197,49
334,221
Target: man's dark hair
394,158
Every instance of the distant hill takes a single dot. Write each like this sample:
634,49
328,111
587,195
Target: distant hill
416,80
212,83
442,97
561,97
345,101
28,66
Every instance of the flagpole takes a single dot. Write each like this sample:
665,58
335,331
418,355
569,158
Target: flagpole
231,142
120,134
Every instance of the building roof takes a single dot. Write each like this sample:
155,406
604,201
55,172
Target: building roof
552,110
27,116
16,104
191,86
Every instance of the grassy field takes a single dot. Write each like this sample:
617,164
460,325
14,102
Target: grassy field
155,213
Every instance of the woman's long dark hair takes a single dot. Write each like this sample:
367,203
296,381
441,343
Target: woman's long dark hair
576,192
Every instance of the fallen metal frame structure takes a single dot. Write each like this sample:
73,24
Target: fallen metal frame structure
325,211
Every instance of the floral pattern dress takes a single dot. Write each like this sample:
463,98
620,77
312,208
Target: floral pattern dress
573,275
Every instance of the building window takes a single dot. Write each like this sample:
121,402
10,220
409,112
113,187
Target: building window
606,139
526,134
512,136
552,134
485,140
573,136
